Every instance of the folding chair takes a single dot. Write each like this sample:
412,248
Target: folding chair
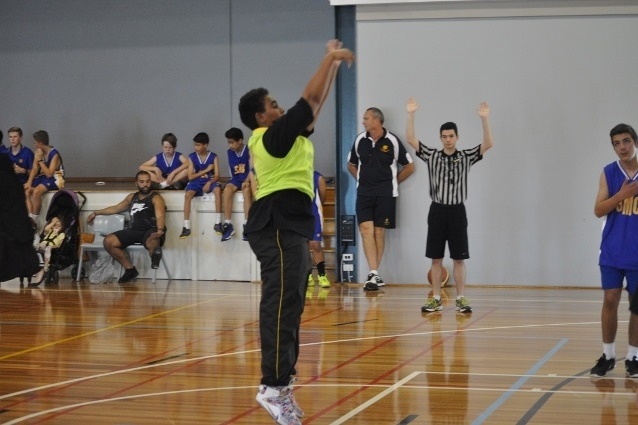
103,225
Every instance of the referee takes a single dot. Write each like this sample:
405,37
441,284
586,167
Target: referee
447,220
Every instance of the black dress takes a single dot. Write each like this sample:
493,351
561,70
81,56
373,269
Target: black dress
17,254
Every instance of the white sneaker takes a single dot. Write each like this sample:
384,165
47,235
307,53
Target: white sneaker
278,403
376,279
300,413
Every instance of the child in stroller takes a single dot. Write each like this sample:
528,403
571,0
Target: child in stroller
60,237
53,238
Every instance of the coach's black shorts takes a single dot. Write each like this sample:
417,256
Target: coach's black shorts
447,223
129,237
381,210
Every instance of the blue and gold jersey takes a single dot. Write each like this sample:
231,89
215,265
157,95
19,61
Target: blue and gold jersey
619,245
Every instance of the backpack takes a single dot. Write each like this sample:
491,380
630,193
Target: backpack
102,270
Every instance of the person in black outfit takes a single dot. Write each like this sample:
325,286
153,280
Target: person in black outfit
280,223
17,254
148,213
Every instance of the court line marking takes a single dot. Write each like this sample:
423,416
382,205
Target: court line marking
374,399
108,328
252,387
536,407
256,350
516,385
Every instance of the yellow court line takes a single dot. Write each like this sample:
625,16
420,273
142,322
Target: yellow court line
61,341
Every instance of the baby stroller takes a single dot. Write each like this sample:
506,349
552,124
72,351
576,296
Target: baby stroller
66,206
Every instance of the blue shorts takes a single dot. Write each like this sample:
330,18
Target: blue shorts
612,278
318,232
235,181
197,186
48,182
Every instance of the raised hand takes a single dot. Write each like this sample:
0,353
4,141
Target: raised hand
483,110
412,105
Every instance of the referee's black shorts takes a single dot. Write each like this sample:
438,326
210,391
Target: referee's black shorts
447,223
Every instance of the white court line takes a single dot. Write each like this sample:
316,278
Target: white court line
341,420
213,356
374,399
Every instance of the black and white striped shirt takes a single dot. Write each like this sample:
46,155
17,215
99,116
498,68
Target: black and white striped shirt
448,173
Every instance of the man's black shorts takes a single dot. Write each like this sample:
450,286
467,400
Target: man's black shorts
129,237
447,223
381,210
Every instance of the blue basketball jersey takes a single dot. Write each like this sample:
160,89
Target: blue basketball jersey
168,166
317,208
24,159
238,164
619,245
199,165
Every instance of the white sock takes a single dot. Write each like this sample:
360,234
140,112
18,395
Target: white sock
609,350
217,218
374,272
458,297
163,185
632,352
437,297
187,224
227,221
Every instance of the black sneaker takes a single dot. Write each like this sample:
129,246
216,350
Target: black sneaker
185,233
227,231
604,365
244,235
129,274
218,229
156,257
631,367
370,286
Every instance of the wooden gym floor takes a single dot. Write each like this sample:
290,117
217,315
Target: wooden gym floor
184,352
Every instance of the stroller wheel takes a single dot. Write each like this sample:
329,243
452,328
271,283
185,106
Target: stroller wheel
51,277
74,272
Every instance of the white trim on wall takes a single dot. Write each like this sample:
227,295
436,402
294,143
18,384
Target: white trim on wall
370,10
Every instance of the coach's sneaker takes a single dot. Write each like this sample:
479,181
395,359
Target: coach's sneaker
631,367
432,305
370,286
311,280
129,274
603,365
218,229
323,281
227,231
185,233
156,257
278,403
462,305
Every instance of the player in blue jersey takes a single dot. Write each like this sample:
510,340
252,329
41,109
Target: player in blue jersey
239,165
618,261
203,176
315,242
169,168
47,173
21,156
3,148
